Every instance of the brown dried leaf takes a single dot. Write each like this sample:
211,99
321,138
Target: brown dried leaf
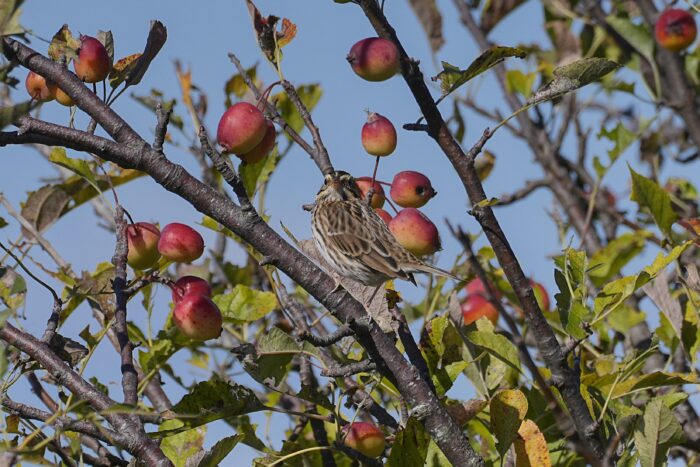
462,412
287,33
531,447
157,36
495,11
44,207
431,20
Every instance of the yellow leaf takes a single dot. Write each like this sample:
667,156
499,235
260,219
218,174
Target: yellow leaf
508,409
531,447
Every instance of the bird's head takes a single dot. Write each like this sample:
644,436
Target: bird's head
339,186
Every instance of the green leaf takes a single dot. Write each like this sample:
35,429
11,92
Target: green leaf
443,350
183,445
519,82
158,354
609,260
309,94
81,167
621,136
410,446
9,17
255,175
214,400
105,37
245,305
648,194
496,345
655,433
508,409
237,86
636,34
573,76
452,77
219,451
10,114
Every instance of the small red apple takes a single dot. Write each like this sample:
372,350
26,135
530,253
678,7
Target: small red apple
180,243
476,286
411,189
365,437
415,232
540,294
241,128
475,307
378,135
374,59
198,317
38,88
92,63
190,285
364,184
675,29
263,148
386,217
142,242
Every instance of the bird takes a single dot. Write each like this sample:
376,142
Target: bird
355,241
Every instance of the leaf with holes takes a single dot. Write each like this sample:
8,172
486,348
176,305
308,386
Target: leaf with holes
571,77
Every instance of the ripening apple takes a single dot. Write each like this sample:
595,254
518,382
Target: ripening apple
263,148
476,286
92,63
180,243
475,307
364,184
142,243
374,59
411,189
365,437
197,317
188,285
241,128
63,98
386,217
675,29
38,88
378,135
415,232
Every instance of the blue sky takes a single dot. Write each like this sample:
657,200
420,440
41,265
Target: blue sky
200,36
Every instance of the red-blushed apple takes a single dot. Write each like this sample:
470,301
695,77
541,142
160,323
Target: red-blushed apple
142,242
378,198
374,59
540,294
38,88
92,63
180,243
415,232
386,217
378,135
63,98
675,29
197,317
476,286
475,307
241,128
365,437
263,148
411,189
188,285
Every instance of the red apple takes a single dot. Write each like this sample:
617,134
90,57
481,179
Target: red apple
386,217
378,135
180,243
541,295
415,232
263,148
364,184
38,88
476,287
142,242
365,437
411,189
92,63
241,128
475,307
198,317
675,29
374,59
190,285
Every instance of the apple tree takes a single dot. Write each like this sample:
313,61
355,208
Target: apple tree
601,370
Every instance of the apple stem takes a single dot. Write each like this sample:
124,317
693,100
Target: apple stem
131,219
383,183
266,93
396,211
104,90
374,174
94,88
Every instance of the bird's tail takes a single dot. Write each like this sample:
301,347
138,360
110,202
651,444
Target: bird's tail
433,270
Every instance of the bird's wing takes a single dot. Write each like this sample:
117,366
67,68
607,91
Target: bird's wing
357,232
